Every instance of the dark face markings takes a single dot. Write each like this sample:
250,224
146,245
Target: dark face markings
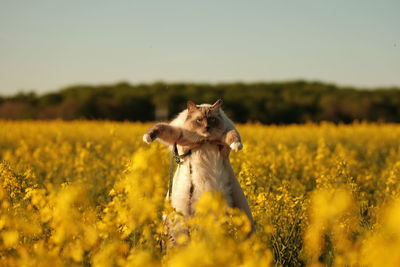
204,119
209,121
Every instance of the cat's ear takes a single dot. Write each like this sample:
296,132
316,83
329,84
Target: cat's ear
191,106
217,104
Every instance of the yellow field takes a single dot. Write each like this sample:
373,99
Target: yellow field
92,194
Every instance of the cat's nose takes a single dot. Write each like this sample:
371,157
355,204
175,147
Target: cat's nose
208,128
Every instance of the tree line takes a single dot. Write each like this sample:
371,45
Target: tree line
268,103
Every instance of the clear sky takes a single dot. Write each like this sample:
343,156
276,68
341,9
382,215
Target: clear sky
46,45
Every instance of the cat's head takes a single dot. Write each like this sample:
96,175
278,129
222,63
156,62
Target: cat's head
205,119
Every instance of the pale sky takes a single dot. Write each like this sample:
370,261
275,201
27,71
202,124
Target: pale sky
46,45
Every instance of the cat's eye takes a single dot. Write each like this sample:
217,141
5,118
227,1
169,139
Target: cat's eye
212,119
198,120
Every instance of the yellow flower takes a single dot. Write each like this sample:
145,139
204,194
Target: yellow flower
10,238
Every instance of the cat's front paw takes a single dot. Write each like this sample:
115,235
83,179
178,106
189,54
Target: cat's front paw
147,139
236,146
152,133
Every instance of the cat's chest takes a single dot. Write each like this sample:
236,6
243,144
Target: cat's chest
207,156
208,168
209,172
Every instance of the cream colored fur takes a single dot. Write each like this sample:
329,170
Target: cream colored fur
211,171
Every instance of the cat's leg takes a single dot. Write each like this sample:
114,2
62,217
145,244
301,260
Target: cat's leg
232,139
171,135
180,201
240,201
165,132
238,198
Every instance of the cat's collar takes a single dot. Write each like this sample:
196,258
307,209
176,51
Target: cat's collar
178,158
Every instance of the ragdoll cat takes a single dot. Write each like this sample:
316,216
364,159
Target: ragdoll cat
204,135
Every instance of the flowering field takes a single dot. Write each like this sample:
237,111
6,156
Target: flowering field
92,194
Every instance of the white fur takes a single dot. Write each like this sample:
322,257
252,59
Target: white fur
209,172
236,146
147,138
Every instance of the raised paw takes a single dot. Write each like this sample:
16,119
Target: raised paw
152,133
236,146
147,139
